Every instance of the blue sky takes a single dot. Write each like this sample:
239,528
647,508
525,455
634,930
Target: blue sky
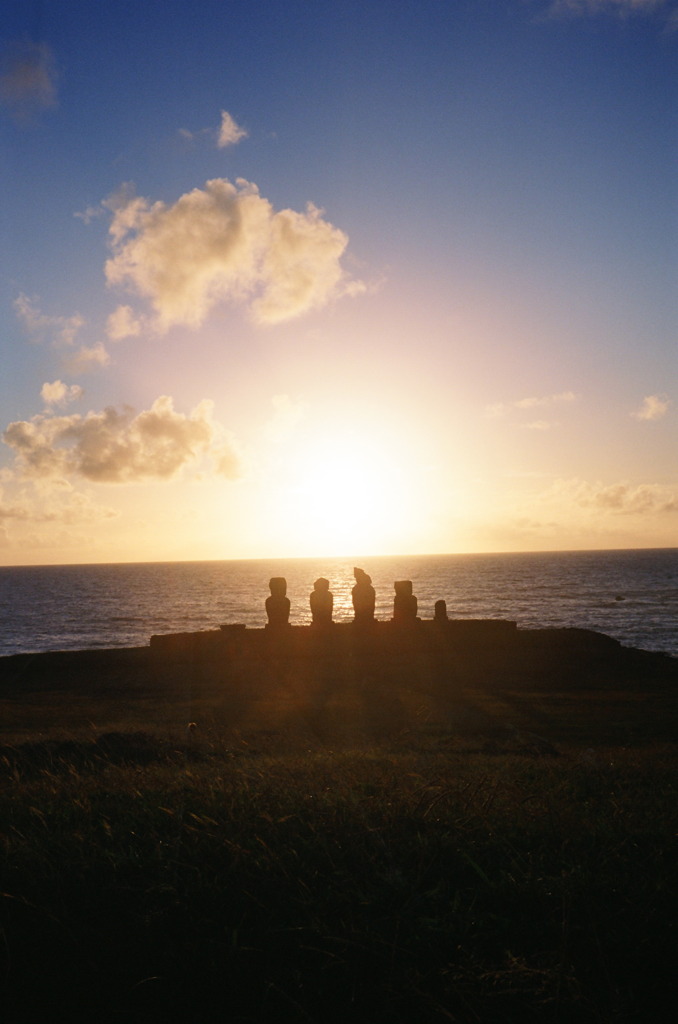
426,304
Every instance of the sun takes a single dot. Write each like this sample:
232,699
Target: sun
343,495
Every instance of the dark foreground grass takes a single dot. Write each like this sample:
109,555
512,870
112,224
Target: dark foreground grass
430,877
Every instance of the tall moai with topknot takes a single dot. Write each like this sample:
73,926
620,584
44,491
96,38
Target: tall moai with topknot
364,598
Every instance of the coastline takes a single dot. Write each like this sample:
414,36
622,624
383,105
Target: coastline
630,596
340,680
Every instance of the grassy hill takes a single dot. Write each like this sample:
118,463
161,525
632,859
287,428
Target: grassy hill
393,846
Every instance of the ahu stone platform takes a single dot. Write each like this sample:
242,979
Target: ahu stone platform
432,657
491,653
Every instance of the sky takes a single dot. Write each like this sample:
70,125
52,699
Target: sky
319,278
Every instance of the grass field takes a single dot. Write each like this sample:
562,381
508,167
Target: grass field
512,859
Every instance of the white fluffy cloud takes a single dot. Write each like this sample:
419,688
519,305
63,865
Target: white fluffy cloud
653,408
300,269
27,79
224,242
230,133
58,393
121,447
122,323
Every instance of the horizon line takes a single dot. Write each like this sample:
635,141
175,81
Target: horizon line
346,557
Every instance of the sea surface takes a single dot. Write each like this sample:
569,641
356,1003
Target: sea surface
630,595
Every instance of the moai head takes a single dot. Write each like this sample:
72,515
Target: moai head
278,586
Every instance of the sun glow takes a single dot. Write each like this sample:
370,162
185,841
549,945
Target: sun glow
343,496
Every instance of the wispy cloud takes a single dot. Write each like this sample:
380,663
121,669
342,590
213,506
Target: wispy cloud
90,213
653,407
86,359
538,425
225,242
59,330
230,133
28,80
620,8
65,506
122,447
287,413
617,498
499,409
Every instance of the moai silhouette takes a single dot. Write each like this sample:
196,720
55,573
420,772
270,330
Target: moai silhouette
363,598
404,603
440,613
278,604
322,603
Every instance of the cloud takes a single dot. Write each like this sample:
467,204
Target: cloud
87,359
27,79
500,409
224,242
90,213
122,323
121,447
653,408
301,268
621,8
617,499
229,132
58,393
538,425
286,415
532,403
60,330
72,507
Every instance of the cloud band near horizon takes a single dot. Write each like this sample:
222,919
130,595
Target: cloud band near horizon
114,447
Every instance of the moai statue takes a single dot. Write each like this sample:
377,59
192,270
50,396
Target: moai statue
278,604
404,603
440,613
322,603
363,598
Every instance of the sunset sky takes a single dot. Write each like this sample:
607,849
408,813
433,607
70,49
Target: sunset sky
306,278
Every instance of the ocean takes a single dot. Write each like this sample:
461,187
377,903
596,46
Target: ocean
630,595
